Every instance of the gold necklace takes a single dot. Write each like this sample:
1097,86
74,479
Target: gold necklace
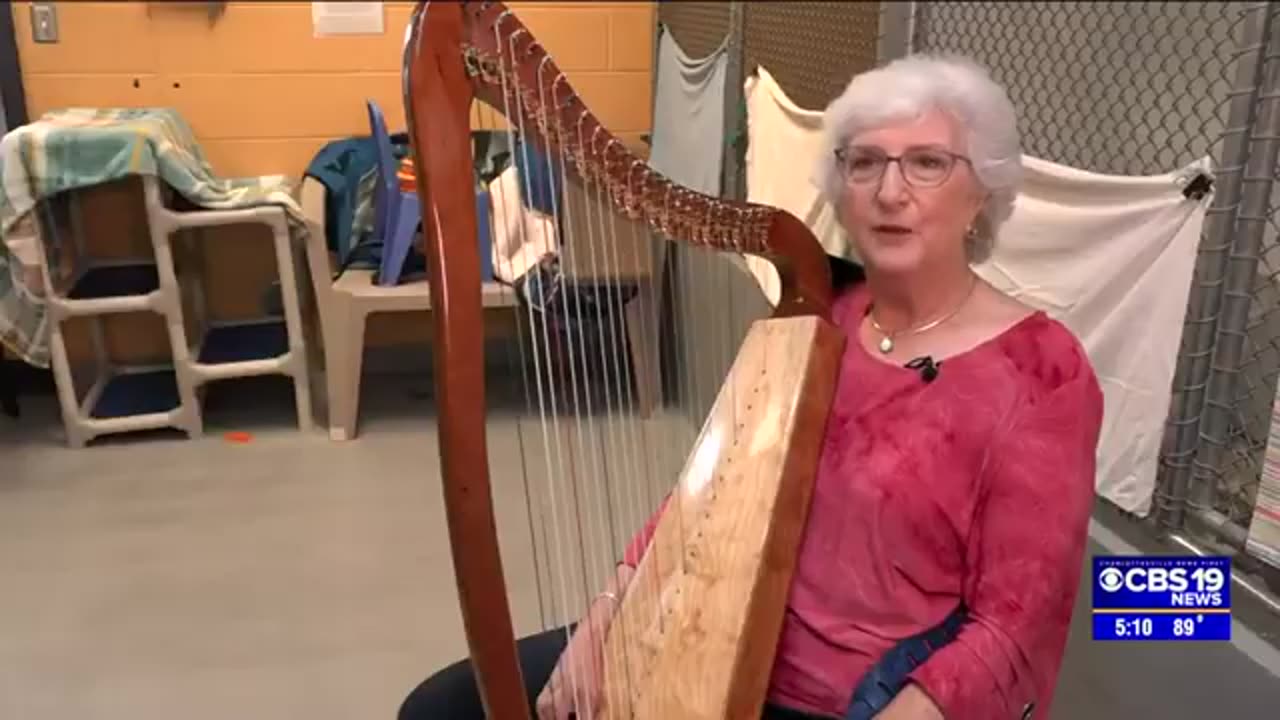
886,343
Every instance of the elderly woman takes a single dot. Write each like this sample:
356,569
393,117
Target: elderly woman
940,562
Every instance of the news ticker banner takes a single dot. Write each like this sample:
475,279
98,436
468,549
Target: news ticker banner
1161,598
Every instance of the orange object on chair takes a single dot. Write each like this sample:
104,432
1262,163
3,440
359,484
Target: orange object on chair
407,176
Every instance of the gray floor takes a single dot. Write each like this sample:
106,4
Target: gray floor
292,577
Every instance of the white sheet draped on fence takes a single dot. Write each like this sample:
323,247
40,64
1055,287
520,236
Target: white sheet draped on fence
1112,257
783,139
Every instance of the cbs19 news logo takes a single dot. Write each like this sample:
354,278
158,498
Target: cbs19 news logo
1199,587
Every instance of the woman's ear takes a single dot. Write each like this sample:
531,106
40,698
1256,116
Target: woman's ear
983,197
976,219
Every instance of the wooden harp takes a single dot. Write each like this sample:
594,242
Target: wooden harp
695,633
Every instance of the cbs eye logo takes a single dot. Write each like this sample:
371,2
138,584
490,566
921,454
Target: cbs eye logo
1111,579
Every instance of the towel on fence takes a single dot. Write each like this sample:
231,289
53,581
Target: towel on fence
784,140
79,147
688,116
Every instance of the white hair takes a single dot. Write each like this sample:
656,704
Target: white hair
910,86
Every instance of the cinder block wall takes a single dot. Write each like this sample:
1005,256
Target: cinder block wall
263,95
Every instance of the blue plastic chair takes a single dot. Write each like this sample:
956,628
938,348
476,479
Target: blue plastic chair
396,213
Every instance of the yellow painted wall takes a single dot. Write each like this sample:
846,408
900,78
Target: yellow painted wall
263,95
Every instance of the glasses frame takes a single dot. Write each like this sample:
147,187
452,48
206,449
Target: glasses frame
842,153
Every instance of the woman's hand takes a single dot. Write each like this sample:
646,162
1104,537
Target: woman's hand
911,703
573,690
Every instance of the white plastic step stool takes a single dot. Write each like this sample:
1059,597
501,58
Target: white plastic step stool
132,398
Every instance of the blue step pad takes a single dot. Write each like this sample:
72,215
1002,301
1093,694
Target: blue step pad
116,281
244,342
137,393
156,391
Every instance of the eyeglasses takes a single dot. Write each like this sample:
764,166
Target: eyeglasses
921,167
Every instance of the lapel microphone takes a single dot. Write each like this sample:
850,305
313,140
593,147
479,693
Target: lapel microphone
927,367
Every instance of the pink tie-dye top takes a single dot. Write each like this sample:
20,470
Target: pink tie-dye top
974,488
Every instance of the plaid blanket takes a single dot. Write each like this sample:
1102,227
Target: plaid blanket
80,147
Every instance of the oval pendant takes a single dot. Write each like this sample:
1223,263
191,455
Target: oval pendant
886,345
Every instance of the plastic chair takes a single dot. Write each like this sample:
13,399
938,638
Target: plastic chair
345,303
396,213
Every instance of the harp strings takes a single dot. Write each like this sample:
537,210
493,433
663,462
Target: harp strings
599,476
565,403
619,438
616,393
589,478
632,445
562,479
567,375
547,517
537,524
658,469
530,357
589,241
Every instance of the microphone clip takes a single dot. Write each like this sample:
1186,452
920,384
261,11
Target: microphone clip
927,367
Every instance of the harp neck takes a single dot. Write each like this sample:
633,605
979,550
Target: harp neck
508,69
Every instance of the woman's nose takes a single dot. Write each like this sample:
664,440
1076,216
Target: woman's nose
893,187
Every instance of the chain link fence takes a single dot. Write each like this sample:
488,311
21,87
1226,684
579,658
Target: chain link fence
1145,88
1121,88
811,48
699,27
1125,87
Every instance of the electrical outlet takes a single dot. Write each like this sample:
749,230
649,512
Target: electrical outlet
44,22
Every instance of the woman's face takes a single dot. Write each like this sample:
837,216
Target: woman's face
913,213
